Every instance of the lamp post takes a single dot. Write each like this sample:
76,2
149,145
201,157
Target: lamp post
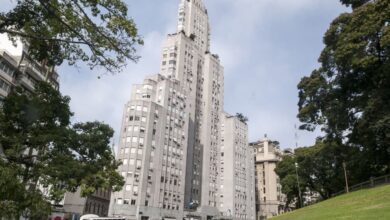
345,176
299,187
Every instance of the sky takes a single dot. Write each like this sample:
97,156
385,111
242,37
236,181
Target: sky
265,46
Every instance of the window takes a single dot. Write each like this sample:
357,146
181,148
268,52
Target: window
133,150
131,162
128,187
5,86
126,201
136,128
134,139
140,151
139,163
133,202
135,189
141,140
127,150
8,70
143,119
145,109
125,161
139,108
120,201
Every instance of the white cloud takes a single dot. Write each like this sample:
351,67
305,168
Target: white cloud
103,99
6,44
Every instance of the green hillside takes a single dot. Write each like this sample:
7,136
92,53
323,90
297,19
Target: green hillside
369,204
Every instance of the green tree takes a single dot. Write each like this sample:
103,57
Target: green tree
97,32
242,118
349,95
320,170
354,3
45,155
285,169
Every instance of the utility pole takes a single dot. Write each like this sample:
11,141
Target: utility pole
345,176
296,136
299,187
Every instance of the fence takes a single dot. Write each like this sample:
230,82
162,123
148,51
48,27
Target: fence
373,182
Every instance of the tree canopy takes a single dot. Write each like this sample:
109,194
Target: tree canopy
98,32
320,170
242,118
349,95
45,155
354,3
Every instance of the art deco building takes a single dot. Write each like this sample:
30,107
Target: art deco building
170,136
270,200
237,174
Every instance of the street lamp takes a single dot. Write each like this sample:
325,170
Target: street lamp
299,188
345,176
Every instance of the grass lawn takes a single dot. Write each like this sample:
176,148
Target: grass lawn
369,204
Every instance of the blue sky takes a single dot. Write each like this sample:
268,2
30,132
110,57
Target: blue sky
266,47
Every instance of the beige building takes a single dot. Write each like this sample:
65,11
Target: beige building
237,175
270,200
170,136
74,205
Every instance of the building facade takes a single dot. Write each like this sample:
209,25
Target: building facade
170,136
17,68
74,205
270,200
237,175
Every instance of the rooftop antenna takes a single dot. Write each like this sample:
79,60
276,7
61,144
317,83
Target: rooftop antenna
296,135
113,147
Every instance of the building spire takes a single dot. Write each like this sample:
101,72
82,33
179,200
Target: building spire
193,21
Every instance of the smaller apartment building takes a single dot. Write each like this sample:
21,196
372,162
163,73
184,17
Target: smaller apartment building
237,190
17,68
74,206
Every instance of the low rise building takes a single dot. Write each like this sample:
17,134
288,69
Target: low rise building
74,205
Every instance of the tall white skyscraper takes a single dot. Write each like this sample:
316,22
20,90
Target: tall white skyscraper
171,129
